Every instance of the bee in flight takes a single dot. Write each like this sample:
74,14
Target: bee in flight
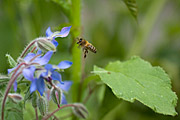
86,46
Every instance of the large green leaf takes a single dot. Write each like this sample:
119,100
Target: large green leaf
136,79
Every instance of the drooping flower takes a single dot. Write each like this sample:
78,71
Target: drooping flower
59,96
63,33
65,87
30,61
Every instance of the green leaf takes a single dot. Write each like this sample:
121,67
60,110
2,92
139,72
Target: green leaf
132,6
4,79
136,79
11,60
14,111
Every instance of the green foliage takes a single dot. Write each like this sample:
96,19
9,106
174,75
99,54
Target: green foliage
107,104
14,111
115,38
132,6
4,79
11,61
146,27
65,5
136,79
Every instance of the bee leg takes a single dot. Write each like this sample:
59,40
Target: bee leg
85,53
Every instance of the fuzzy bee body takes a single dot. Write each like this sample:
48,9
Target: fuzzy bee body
92,48
86,46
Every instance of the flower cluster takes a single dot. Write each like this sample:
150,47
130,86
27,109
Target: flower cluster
35,68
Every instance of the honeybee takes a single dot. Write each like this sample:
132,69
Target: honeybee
86,46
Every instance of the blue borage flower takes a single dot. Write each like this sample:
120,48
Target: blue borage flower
30,61
63,33
50,70
49,75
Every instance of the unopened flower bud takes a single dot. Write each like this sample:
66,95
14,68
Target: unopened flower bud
16,97
34,99
42,105
80,111
45,45
56,95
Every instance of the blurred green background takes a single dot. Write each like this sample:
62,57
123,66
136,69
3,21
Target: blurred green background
110,27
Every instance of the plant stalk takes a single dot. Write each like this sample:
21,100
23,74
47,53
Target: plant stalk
76,52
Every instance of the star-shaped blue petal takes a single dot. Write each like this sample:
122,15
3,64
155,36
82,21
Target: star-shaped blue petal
64,32
49,33
64,64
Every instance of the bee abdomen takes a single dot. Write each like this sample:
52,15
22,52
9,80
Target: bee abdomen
92,48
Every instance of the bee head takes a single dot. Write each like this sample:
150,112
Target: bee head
79,40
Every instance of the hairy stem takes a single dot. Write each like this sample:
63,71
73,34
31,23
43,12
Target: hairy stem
27,48
64,106
36,112
17,69
34,48
6,94
13,78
